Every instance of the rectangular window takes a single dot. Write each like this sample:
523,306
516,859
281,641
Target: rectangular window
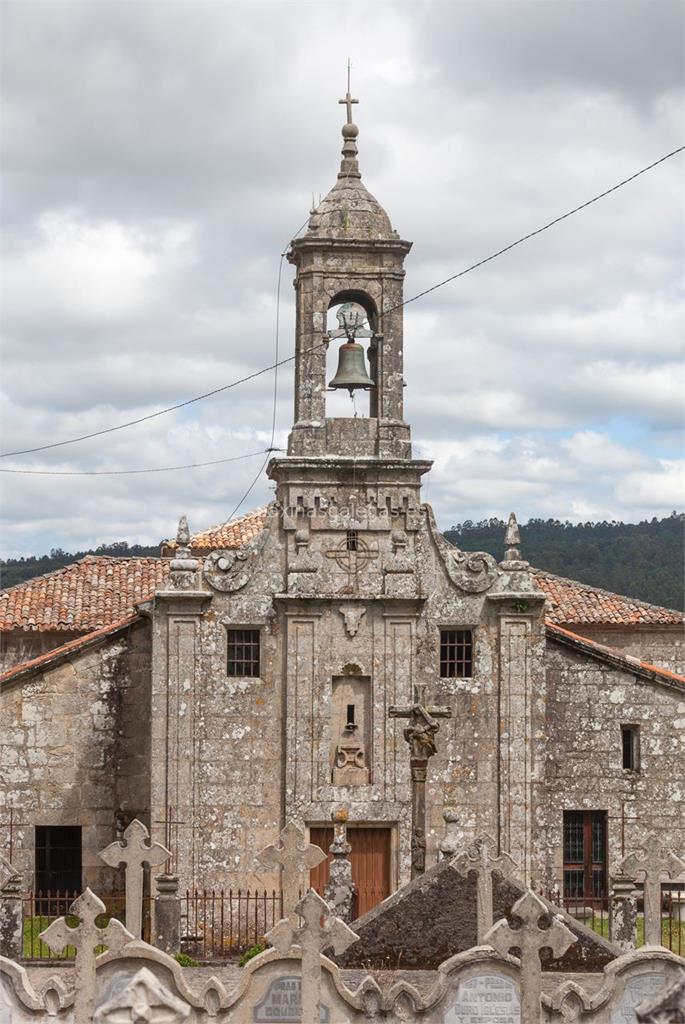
58,858
243,652
456,653
585,858
630,738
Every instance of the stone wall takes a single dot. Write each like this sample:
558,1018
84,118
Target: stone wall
74,748
587,702
663,646
20,645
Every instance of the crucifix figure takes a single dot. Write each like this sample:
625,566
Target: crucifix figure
85,937
320,930
529,938
655,862
348,101
12,824
296,858
133,853
420,735
481,857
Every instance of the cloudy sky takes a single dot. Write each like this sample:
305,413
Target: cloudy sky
157,158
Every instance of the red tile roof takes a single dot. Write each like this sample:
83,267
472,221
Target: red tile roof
67,649
86,595
573,603
98,590
227,535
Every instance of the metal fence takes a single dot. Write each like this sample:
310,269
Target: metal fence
39,909
218,923
593,912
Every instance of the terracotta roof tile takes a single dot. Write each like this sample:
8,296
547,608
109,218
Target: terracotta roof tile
227,535
573,603
87,595
98,590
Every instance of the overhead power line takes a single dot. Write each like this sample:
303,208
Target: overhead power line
127,472
399,305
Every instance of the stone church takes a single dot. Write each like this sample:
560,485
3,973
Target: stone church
247,676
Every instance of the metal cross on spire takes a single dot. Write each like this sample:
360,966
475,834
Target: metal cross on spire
348,101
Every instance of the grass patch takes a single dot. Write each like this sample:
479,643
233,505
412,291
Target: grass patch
672,932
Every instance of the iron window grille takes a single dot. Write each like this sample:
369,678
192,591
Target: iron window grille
456,653
243,652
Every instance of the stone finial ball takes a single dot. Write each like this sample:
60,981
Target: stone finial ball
350,131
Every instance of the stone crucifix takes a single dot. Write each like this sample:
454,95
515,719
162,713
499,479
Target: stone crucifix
320,930
295,857
655,862
482,858
530,938
85,937
133,853
420,735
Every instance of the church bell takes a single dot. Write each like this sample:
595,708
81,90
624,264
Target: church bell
351,372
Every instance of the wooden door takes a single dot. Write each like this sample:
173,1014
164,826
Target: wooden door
585,854
370,859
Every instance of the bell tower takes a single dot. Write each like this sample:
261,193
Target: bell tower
351,255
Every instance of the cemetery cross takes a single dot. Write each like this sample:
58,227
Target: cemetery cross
320,930
85,937
296,858
134,852
482,858
420,735
529,938
656,862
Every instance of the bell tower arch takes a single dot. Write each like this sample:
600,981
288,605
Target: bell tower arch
349,254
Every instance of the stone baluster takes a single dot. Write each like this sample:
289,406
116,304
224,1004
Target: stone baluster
340,889
450,843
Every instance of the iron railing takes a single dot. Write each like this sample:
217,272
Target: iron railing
219,923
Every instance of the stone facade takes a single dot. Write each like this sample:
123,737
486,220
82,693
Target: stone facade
346,586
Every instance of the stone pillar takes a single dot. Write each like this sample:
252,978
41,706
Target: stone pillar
340,889
167,923
11,918
449,844
623,913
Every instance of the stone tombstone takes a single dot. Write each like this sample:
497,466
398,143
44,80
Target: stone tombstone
282,1002
142,998
636,990
485,998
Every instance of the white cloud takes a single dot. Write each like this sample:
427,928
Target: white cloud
155,166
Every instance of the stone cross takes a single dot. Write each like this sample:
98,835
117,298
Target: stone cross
530,938
657,861
296,858
482,858
420,735
321,929
134,852
85,937
348,101
10,910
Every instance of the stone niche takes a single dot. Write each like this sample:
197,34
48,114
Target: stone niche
350,730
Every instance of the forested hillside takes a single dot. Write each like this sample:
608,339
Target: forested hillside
642,560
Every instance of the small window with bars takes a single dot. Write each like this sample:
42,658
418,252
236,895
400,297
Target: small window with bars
243,652
456,653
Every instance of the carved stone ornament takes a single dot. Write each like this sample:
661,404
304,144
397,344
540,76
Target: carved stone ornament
471,571
144,998
352,615
229,571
